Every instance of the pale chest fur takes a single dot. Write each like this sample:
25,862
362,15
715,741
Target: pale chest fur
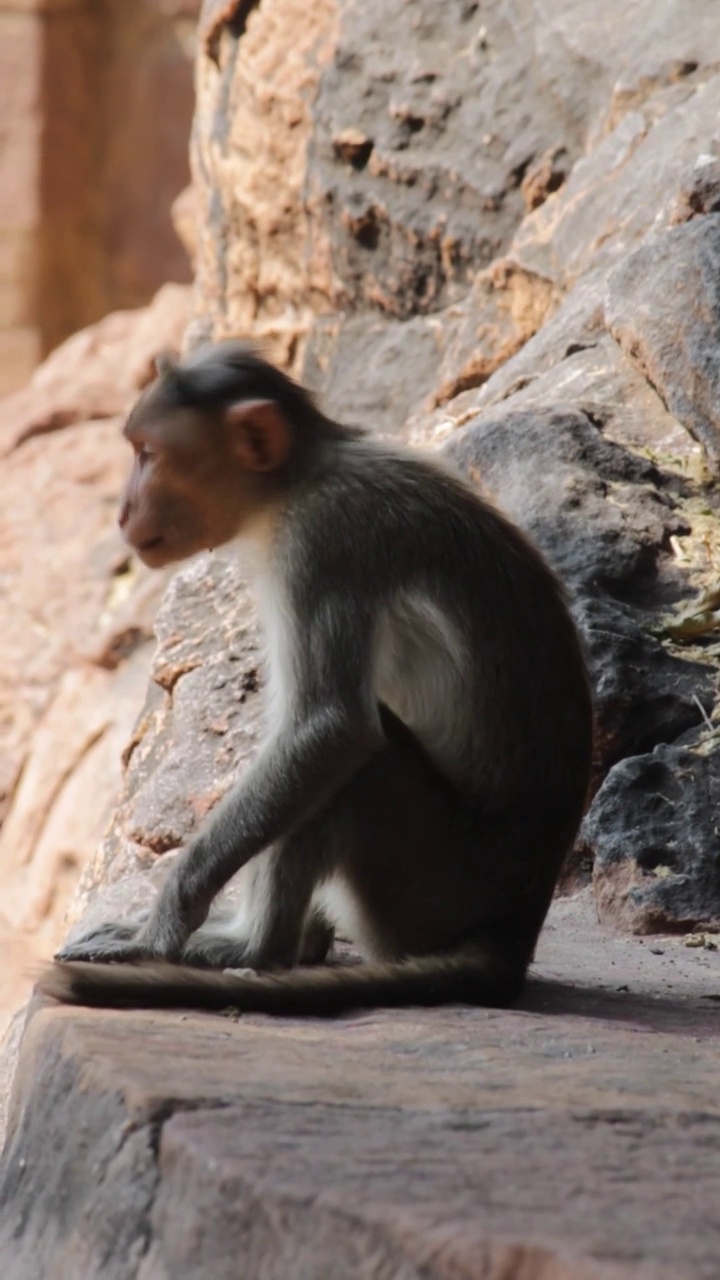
419,670
420,673
277,645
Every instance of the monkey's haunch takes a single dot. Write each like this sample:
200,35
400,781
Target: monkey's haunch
324,991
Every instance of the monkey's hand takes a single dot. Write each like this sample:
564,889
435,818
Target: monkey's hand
108,942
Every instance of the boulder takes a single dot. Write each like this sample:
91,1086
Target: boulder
654,831
604,518
96,373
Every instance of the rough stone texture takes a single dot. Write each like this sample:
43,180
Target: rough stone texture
372,369
77,620
574,1138
420,141
663,308
453,153
604,519
411,157
198,728
654,829
434,190
256,269
95,102
19,67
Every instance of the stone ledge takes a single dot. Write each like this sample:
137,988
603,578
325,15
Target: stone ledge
573,1138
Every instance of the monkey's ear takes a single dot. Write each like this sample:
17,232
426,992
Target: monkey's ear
260,434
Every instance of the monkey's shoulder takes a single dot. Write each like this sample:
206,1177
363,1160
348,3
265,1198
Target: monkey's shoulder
367,508
388,509
399,486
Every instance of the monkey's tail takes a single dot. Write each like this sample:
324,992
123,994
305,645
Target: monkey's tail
469,976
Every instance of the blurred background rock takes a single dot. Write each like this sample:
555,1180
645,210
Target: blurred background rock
96,99
96,102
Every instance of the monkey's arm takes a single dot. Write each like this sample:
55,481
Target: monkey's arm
330,728
295,774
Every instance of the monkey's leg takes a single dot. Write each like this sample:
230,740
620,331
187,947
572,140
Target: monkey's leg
226,941
275,926
404,865
421,871
317,940
448,898
222,941
104,936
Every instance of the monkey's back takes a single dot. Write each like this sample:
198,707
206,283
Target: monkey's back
473,644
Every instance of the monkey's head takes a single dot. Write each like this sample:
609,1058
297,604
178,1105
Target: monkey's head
216,438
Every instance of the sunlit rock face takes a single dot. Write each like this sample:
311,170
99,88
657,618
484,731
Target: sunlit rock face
96,101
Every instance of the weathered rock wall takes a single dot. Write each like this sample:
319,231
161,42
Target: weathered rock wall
96,98
257,268
77,620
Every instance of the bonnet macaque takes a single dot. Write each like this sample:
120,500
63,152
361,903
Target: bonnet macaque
428,745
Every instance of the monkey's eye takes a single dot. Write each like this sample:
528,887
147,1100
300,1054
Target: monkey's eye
143,454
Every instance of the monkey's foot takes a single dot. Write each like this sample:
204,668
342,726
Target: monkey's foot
106,952
111,941
216,953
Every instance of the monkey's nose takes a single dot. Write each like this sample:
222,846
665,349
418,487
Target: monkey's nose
124,514
151,543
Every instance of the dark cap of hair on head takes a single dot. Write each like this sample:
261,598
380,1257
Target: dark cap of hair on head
216,375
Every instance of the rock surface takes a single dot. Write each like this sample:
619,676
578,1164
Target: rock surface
663,308
98,372
654,829
77,620
257,270
198,728
604,518
573,1138
96,99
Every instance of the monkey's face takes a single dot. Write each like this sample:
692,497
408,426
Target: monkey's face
197,478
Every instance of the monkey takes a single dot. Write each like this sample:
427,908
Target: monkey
428,740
